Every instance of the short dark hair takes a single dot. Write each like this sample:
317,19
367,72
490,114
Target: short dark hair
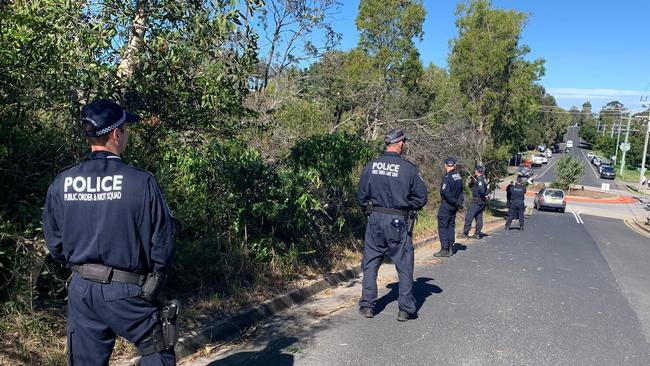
99,140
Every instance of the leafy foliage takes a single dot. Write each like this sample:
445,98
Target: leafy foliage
569,171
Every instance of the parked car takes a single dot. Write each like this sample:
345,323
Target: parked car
550,198
596,160
607,172
549,153
537,160
524,171
569,143
604,164
541,147
590,154
544,158
556,148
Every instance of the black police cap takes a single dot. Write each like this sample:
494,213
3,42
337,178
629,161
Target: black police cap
450,161
480,169
102,116
394,136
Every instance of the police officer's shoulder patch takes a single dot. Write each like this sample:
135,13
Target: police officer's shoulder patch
456,176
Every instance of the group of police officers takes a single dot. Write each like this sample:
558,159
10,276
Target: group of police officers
109,223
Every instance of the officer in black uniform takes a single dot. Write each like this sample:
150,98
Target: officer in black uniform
451,200
517,205
391,189
479,201
110,224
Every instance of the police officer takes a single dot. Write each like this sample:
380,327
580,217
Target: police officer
109,222
517,205
452,199
390,188
479,201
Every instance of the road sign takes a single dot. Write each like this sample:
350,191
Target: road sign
625,146
604,187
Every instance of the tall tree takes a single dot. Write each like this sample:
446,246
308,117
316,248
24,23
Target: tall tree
487,61
287,28
387,33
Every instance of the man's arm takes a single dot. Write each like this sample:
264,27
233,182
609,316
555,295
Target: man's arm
163,228
419,194
363,194
446,192
51,229
482,188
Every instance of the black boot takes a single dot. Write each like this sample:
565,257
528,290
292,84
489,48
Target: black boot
464,236
403,316
366,312
443,253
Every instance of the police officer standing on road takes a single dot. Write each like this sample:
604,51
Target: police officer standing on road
109,222
517,205
391,189
452,199
479,201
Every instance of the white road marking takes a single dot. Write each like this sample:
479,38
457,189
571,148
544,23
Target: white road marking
547,169
589,163
576,215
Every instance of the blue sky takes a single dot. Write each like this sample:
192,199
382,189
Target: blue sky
594,50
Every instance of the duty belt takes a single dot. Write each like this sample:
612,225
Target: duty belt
391,211
105,274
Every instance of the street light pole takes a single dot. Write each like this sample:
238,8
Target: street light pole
627,135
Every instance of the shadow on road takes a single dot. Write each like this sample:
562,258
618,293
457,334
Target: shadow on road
457,247
421,291
271,355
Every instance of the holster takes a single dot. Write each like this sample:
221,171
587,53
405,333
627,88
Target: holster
411,217
165,334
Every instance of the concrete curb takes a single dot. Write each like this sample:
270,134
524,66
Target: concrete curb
639,227
231,328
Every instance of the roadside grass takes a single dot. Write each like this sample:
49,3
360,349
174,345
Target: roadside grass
631,176
33,338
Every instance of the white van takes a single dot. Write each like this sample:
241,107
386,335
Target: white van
569,144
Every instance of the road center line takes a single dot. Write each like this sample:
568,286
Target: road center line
547,169
589,163
577,217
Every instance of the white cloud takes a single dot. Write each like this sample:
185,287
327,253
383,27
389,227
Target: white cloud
568,97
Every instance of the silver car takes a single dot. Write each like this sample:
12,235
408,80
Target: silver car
550,198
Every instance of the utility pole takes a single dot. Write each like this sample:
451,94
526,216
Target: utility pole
618,140
627,135
645,152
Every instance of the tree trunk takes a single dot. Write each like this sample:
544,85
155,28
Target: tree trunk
132,54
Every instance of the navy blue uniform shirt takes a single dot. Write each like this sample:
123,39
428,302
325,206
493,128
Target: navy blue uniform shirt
105,211
393,182
518,194
451,189
479,190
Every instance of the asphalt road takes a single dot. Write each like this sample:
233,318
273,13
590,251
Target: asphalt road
591,177
561,293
